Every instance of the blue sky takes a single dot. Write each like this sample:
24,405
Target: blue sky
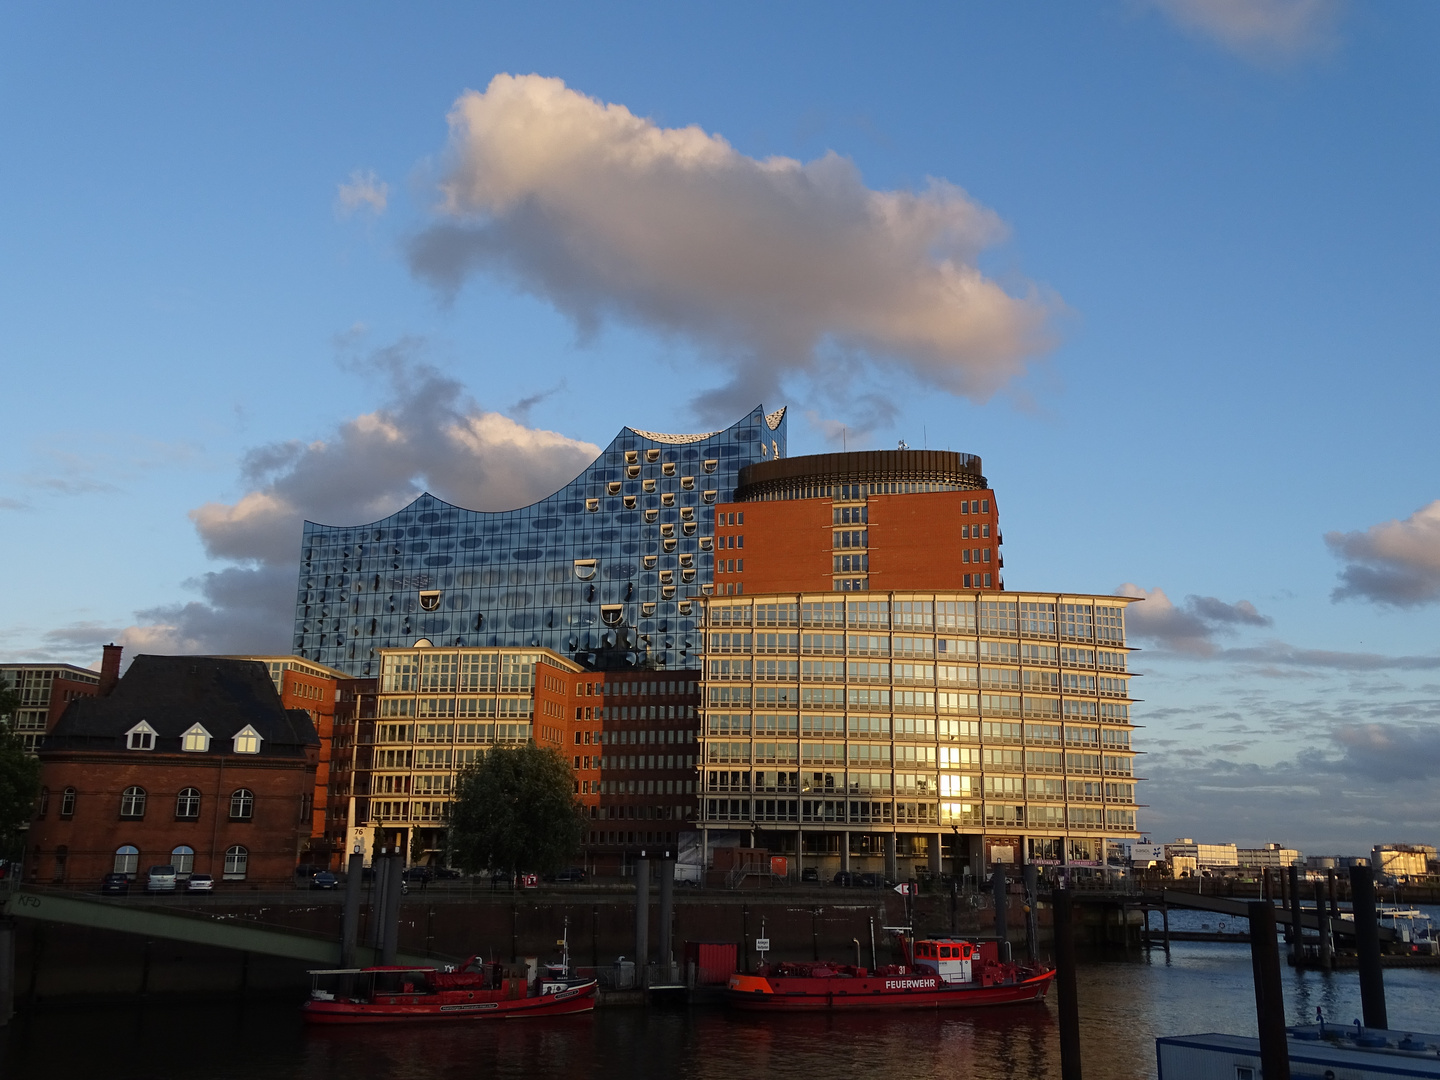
1205,232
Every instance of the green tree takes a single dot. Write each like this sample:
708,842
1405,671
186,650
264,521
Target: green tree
516,809
19,775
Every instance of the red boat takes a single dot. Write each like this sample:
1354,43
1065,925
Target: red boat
473,991
940,973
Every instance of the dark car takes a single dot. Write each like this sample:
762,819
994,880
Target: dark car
419,873
809,873
448,873
115,885
569,875
844,877
324,880
869,881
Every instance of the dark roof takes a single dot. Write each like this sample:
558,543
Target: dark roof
172,693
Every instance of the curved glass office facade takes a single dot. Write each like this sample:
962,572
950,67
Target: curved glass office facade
604,571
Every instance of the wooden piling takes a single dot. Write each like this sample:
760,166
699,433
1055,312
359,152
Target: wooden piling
1065,991
1367,944
1269,998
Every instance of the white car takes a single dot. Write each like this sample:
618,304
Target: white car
160,879
200,883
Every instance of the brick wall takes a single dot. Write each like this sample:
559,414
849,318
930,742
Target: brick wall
272,836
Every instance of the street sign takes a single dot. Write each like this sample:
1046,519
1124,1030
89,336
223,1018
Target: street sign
762,944
904,888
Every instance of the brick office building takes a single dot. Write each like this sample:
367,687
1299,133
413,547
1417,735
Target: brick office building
189,760
873,519
628,733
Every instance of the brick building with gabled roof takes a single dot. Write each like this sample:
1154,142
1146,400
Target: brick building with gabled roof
192,761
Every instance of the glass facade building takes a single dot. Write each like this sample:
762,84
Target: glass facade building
605,570
994,727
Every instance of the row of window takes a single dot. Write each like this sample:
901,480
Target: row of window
960,649
195,740
133,801
1027,618
127,861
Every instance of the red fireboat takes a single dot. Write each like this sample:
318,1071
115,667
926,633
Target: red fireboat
474,990
938,973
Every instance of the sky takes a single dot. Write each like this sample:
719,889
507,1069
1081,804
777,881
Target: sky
1169,266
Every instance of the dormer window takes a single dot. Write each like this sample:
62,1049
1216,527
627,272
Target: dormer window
140,737
247,741
196,740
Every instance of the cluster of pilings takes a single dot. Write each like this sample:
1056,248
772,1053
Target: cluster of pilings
651,970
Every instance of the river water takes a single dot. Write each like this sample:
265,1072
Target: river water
1125,1003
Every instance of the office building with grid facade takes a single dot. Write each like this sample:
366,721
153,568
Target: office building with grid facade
954,729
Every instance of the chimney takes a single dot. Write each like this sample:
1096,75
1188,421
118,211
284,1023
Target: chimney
110,669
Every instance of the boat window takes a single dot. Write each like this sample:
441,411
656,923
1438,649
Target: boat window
944,952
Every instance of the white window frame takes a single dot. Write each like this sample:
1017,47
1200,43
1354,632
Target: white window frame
141,737
244,739
195,740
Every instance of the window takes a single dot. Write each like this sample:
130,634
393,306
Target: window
652,516
668,469
585,569
67,803
710,465
247,740
132,802
183,859
187,804
196,740
708,496
44,804
140,737
127,859
629,502
592,505
613,487
242,804
652,456
236,858
649,486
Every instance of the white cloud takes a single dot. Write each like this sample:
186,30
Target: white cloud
364,191
1260,29
1189,627
1395,562
772,266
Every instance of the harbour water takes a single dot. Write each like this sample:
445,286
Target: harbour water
1126,1001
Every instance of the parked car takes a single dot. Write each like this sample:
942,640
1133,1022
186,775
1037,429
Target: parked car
419,873
324,880
200,883
160,879
869,881
809,873
570,875
448,873
115,884
844,877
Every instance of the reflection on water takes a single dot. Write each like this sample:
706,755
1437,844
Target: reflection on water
1125,1004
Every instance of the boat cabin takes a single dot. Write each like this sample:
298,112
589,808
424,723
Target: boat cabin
949,958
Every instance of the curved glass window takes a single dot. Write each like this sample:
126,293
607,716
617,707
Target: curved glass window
187,803
242,804
132,802
127,859
67,802
236,860
183,859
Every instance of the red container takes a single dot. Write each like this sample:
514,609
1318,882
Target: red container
715,961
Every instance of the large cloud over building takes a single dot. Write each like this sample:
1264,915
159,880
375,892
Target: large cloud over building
769,266
429,436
